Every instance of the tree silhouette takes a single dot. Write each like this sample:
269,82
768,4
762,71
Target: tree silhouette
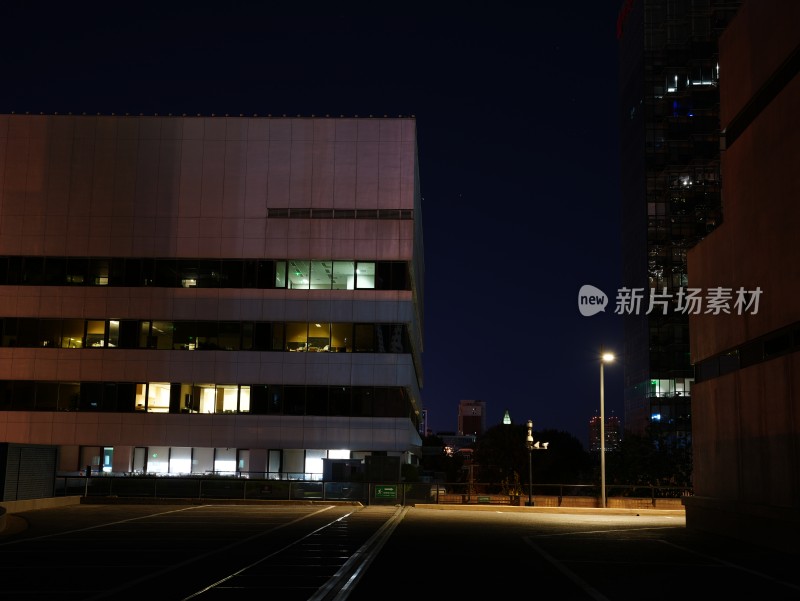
652,459
502,450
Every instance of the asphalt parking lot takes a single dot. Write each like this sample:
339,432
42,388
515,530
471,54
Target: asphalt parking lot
432,552
570,554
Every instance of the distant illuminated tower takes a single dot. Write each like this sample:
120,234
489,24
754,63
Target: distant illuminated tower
471,417
613,429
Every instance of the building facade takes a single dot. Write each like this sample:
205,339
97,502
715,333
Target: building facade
747,394
613,434
423,424
670,187
226,295
471,417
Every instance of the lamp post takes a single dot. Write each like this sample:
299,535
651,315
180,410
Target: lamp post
604,358
532,446
529,444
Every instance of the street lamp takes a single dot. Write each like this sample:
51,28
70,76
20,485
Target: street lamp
604,358
532,446
529,444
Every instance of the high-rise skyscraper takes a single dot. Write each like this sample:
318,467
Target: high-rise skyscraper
613,432
669,135
471,417
423,423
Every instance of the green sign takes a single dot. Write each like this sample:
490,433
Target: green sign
386,492
484,500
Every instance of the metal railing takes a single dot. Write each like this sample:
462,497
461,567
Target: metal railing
558,494
231,487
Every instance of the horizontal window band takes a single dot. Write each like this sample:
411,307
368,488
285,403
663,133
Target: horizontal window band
308,213
147,272
197,335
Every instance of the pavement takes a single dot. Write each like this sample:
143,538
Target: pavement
546,509
15,523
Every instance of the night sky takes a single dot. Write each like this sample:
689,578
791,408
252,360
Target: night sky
516,113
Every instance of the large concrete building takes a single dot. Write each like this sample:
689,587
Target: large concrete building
211,294
746,417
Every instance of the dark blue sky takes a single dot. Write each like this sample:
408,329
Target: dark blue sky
517,124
